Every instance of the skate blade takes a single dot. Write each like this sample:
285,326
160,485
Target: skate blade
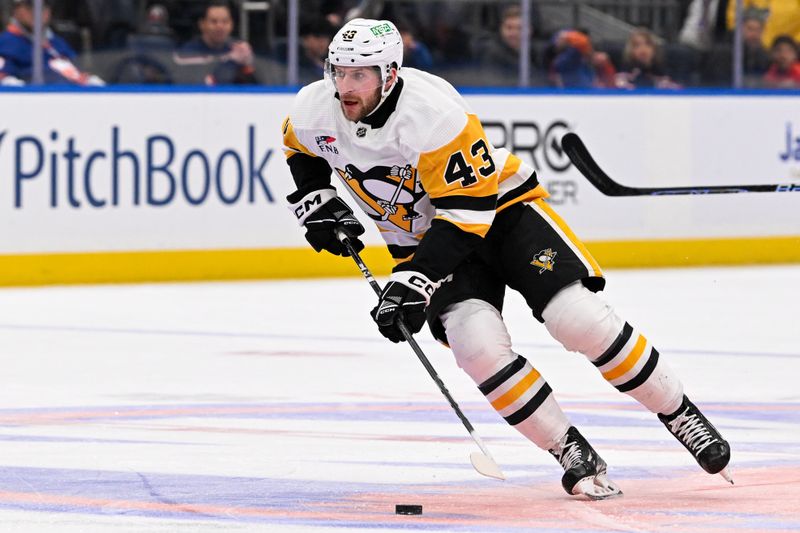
598,487
725,473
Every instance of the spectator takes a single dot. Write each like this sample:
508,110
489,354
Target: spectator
415,53
756,57
315,36
642,63
16,51
782,17
784,73
717,67
155,35
502,52
229,61
157,22
577,65
500,55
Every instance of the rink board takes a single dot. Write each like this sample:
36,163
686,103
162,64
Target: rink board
124,267
120,185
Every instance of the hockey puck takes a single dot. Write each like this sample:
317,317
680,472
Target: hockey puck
408,509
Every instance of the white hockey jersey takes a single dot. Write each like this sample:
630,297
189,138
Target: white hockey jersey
421,156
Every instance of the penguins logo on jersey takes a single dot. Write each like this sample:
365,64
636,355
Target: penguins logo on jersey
389,192
545,260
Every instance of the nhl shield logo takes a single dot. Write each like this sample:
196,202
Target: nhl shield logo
361,132
545,260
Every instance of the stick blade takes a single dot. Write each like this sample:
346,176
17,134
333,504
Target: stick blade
486,466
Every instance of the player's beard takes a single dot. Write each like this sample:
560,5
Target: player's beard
356,106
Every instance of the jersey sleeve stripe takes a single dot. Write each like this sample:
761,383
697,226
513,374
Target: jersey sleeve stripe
500,157
484,203
466,216
528,189
511,165
515,180
537,193
475,229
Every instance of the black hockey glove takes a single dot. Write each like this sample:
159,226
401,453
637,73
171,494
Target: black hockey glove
406,296
323,213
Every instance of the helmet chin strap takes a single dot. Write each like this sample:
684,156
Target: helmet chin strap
385,93
384,79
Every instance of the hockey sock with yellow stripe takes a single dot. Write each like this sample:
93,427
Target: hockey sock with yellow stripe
582,322
633,366
520,394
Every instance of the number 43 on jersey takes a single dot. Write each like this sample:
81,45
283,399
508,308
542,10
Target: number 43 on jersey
459,170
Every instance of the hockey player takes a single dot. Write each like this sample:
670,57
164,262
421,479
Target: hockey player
463,220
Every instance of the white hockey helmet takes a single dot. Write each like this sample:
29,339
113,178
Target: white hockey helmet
366,43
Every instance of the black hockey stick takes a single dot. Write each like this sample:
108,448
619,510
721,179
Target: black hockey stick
585,163
484,463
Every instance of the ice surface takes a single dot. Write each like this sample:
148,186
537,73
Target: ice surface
276,406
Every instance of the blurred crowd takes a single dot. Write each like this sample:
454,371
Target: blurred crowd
97,42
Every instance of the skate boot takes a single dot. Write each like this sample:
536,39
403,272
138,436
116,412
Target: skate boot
584,470
700,437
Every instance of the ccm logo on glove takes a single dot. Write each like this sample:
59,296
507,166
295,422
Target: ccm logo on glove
404,298
421,282
324,214
310,203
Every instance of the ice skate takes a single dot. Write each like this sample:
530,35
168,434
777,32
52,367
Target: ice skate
700,437
584,470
